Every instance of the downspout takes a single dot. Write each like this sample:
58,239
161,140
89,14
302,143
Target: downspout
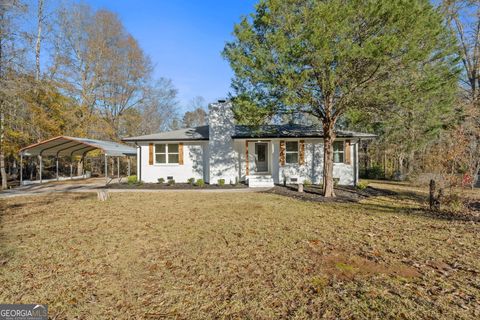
139,166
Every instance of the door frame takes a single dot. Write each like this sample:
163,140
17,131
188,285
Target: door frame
267,156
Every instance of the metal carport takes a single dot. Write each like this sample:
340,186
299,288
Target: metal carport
64,146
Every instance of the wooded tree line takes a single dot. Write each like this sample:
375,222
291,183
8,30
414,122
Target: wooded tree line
438,138
405,70
71,70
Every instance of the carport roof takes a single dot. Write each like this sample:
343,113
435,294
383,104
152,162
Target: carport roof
72,146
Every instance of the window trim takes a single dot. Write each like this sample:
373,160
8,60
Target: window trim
342,151
292,152
166,153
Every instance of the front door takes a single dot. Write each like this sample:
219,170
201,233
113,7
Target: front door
261,157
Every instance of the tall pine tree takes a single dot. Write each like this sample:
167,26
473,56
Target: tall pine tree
324,58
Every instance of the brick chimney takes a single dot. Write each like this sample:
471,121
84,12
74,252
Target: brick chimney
223,159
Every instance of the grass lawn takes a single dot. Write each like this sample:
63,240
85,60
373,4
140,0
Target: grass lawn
236,255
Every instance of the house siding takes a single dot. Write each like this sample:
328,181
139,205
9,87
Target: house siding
311,170
193,167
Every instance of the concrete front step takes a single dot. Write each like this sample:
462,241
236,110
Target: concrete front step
260,182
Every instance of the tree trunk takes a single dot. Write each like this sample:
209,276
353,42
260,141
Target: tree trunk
329,137
401,169
410,163
79,167
3,173
39,40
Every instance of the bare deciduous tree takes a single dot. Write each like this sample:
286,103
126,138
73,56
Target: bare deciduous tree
101,65
197,116
124,70
463,18
159,108
39,39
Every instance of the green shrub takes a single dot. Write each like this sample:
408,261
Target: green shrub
191,181
200,183
161,180
171,182
362,185
454,203
132,179
457,206
307,182
221,182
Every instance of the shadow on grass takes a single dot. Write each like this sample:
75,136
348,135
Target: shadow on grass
344,194
410,195
7,205
394,203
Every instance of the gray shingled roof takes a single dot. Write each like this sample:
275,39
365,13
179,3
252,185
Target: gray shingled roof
188,134
244,132
291,131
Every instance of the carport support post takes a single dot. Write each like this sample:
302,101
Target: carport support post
41,165
21,168
106,169
83,166
128,169
71,169
56,165
118,169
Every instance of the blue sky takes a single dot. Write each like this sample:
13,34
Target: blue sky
184,39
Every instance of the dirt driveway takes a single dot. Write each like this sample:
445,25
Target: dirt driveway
93,185
53,187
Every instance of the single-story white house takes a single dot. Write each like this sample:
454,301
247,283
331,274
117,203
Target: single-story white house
260,155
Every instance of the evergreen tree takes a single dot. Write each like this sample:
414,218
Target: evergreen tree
325,58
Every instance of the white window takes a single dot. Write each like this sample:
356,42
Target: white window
166,153
291,154
338,152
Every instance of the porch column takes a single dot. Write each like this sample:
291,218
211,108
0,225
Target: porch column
247,170
128,168
355,163
118,169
